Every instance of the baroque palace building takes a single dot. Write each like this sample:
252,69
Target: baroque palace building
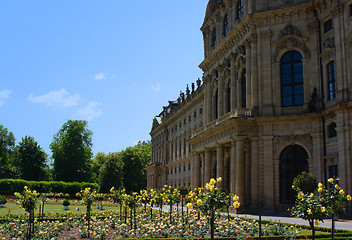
274,100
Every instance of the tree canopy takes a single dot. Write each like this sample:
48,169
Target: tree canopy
111,172
7,144
72,153
135,161
31,160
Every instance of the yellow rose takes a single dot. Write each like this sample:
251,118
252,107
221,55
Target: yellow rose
300,195
189,205
309,211
207,186
235,198
199,202
323,209
317,223
336,186
293,186
342,192
330,180
320,185
212,181
236,204
311,195
320,190
349,198
219,179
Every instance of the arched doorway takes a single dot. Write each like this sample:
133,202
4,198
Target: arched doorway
293,161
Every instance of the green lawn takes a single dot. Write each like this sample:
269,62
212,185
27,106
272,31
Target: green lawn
51,208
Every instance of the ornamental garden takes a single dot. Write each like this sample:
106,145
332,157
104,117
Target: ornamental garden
165,213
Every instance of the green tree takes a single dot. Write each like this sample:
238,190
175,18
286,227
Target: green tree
306,182
97,162
72,153
31,160
7,144
111,173
135,161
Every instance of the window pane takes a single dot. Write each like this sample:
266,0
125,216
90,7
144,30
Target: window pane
286,79
297,67
299,90
286,69
286,91
298,78
286,58
299,99
297,56
287,101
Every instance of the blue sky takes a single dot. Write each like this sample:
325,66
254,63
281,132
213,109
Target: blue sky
114,63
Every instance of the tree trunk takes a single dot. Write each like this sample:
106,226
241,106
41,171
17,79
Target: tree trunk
212,225
333,227
311,223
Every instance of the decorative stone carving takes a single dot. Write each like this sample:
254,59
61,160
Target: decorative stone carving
329,42
280,142
290,30
289,43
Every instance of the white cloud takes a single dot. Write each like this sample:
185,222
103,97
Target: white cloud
100,76
156,87
59,97
91,111
4,94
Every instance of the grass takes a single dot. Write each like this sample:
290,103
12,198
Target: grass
51,208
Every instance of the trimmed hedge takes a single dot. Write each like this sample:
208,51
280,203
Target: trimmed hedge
9,186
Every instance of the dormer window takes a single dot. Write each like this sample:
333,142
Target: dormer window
213,38
226,25
239,10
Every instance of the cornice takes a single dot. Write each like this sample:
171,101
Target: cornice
246,30
224,47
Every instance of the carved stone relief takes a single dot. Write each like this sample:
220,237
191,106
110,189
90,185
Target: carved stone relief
280,142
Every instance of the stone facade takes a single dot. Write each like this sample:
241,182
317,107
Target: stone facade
275,99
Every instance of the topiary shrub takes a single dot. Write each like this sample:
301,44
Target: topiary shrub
306,182
3,200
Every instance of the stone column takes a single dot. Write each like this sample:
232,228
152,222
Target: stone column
248,76
233,167
208,100
220,92
195,171
207,163
240,171
253,71
254,172
220,163
233,83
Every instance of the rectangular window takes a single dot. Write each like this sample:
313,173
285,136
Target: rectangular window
189,118
327,26
200,111
195,114
333,171
350,10
184,121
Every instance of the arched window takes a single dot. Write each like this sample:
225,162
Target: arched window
293,161
239,10
244,89
331,80
226,25
332,130
292,89
228,92
213,38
